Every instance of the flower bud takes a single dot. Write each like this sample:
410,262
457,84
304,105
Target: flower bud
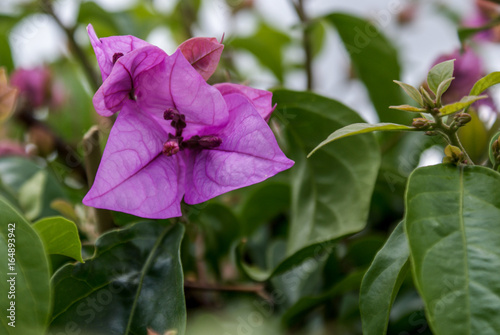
462,118
421,123
453,155
171,147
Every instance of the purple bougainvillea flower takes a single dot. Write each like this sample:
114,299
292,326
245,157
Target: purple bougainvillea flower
176,136
468,70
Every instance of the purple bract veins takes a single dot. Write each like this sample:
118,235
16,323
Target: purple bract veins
179,137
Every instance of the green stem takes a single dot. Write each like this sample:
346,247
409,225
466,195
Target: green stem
92,76
449,133
454,140
306,42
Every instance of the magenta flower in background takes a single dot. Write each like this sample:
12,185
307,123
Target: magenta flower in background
468,70
485,11
32,84
36,88
176,136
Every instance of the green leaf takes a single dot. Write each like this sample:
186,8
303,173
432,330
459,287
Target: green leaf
37,193
271,199
452,216
359,128
408,108
14,171
220,228
133,282
317,31
463,103
349,283
382,281
442,88
331,191
32,295
59,236
7,22
440,73
474,137
412,92
484,83
103,22
376,63
266,45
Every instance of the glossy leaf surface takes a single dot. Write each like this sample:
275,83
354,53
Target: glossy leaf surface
59,236
382,282
133,282
30,273
452,216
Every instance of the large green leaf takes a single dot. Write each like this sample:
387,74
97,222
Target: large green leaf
271,199
31,185
412,92
60,236
452,224
267,45
37,193
382,282
15,171
484,83
463,103
351,282
360,128
30,270
219,228
133,282
331,191
376,62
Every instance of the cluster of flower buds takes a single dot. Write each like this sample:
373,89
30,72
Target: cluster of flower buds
422,123
453,155
461,119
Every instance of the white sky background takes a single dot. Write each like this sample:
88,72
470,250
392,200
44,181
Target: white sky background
37,40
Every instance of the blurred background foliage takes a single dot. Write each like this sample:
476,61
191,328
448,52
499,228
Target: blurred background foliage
286,256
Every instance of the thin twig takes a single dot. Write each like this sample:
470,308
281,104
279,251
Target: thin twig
77,51
306,41
258,289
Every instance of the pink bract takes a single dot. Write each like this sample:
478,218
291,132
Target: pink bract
176,136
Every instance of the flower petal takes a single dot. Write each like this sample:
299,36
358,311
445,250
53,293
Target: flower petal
105,48
203,53
120,86
134,176
174,83
261,100
248,154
